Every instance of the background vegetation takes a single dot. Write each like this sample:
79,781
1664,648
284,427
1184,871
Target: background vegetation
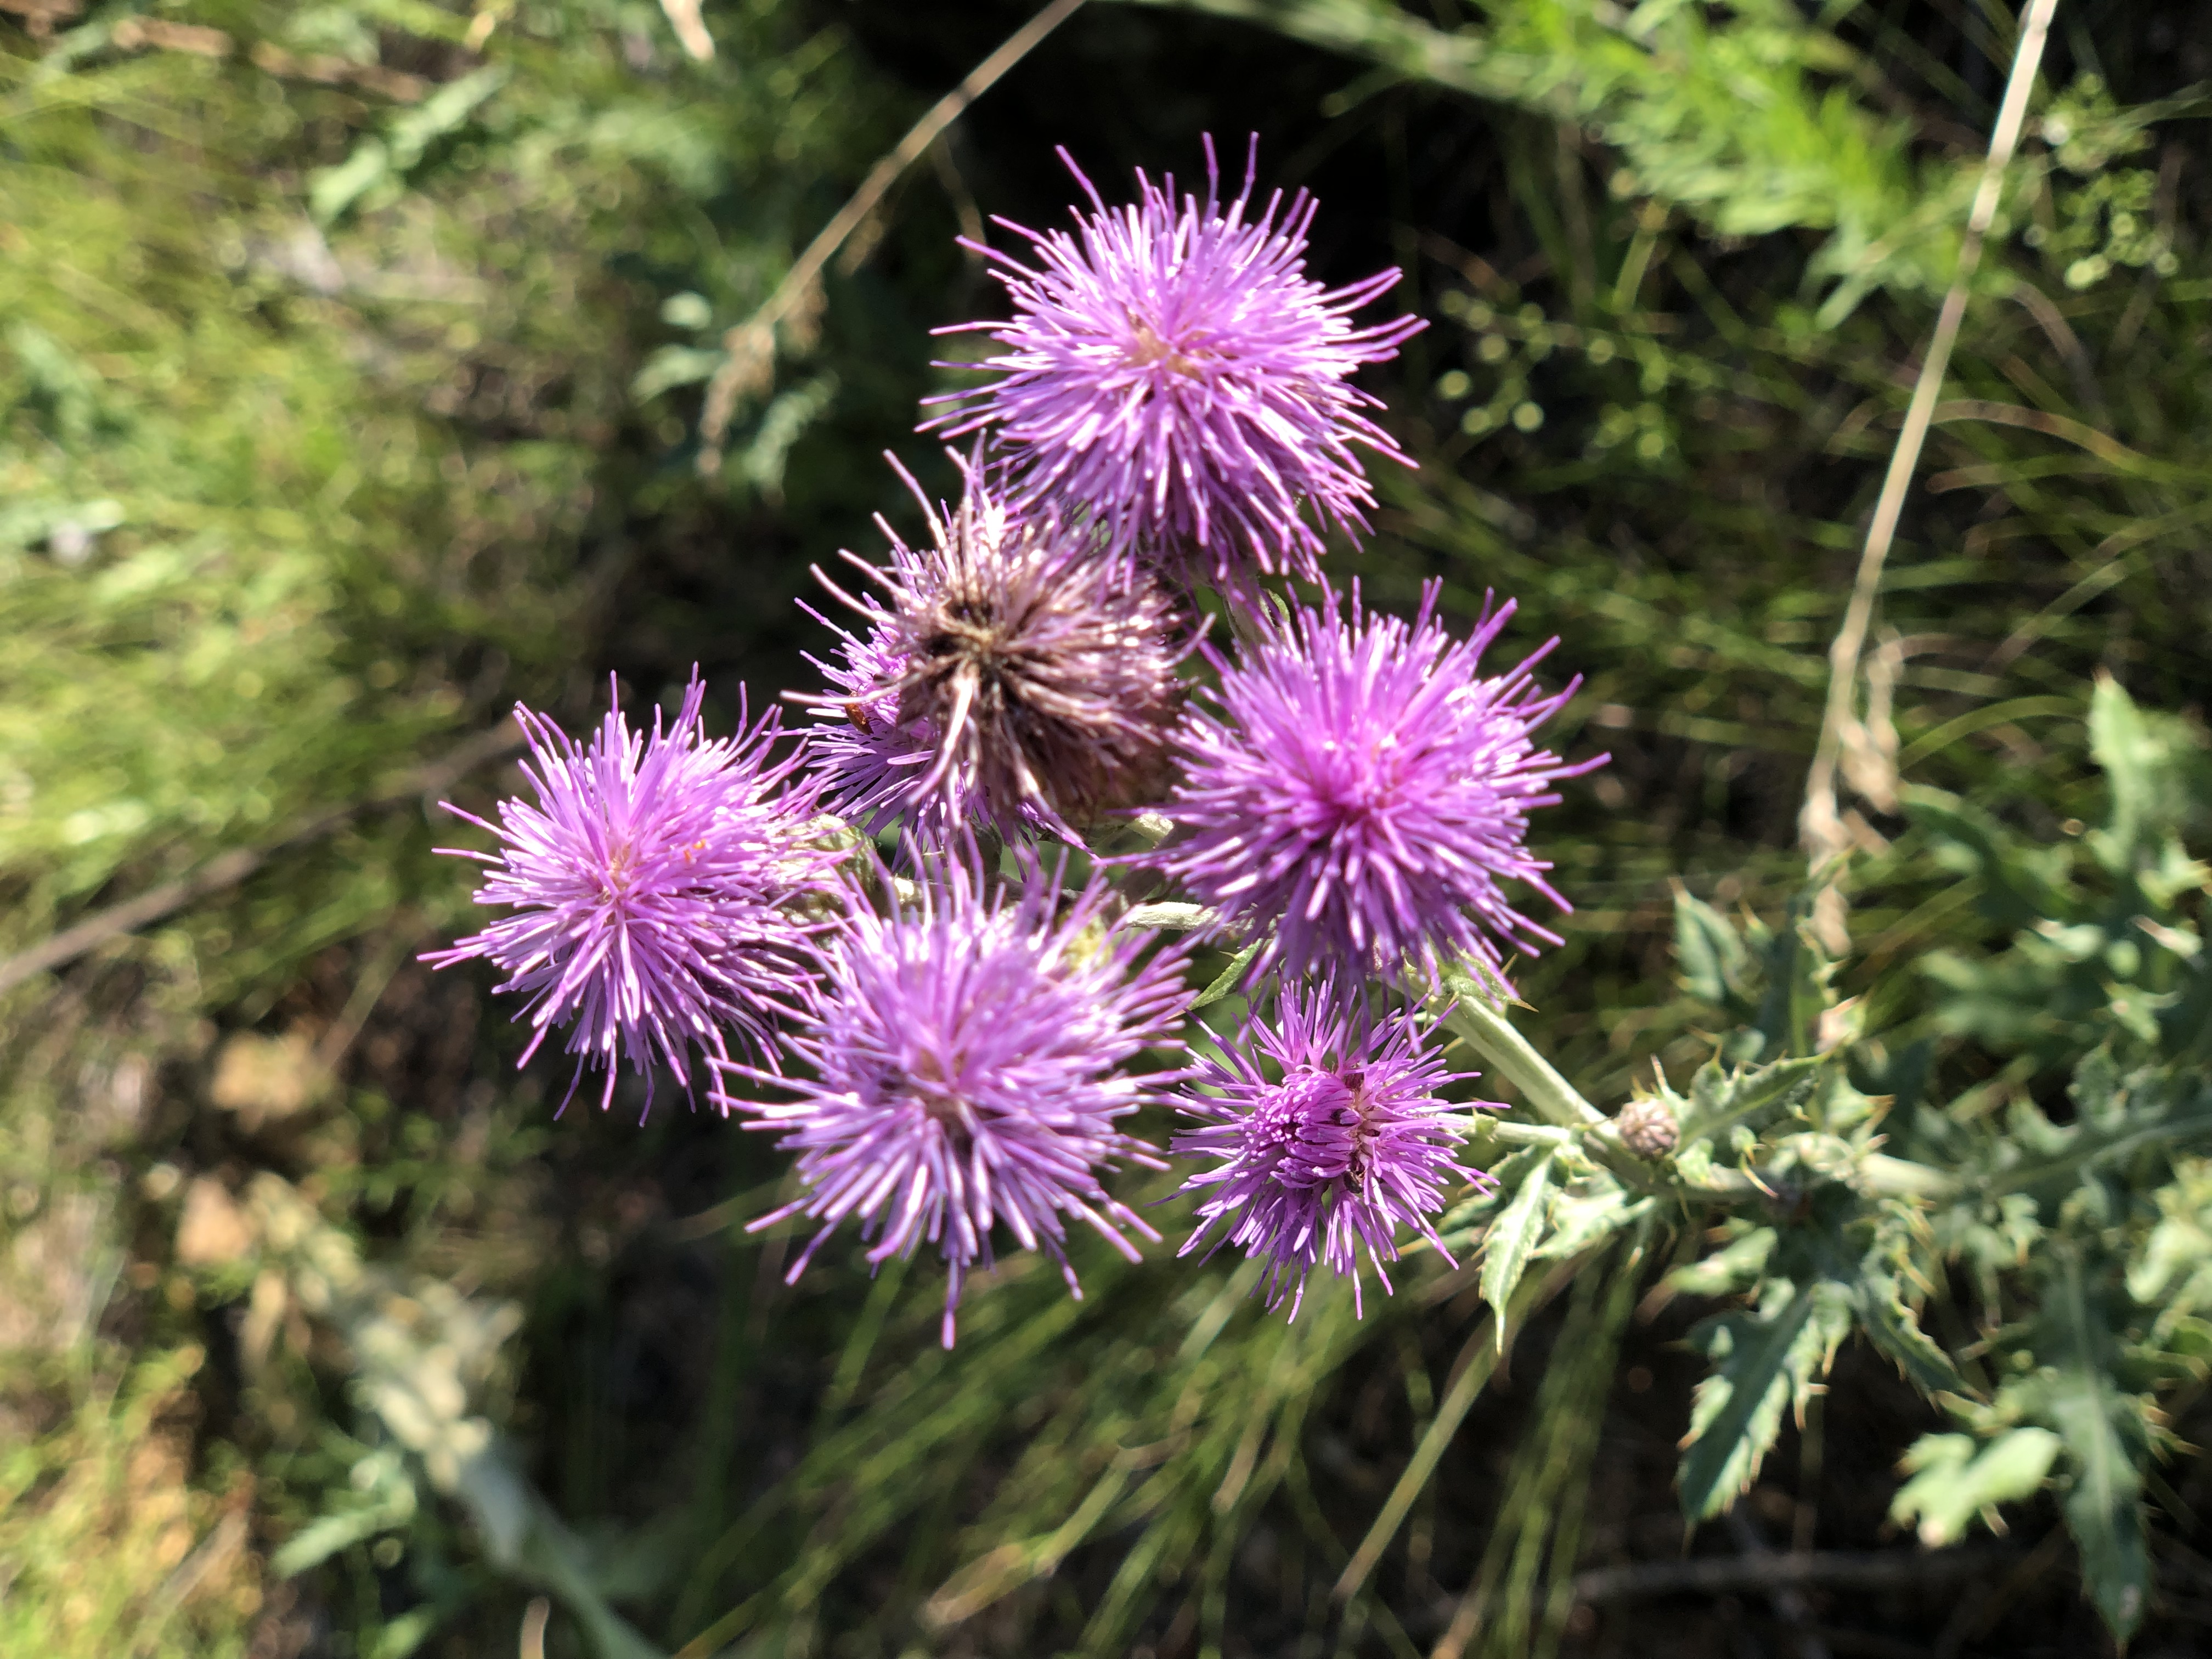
354,359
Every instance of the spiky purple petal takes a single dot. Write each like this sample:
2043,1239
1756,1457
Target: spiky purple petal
1349,1144
1173,372
965,1068
652,883
1365,791
871,763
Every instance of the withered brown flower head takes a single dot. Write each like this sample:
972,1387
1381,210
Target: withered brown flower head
1040,669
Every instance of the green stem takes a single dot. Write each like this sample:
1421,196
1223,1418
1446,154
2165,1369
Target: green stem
1529,1134
1490,1036
1486,1030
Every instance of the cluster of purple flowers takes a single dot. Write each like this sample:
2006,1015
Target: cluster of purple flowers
955,1041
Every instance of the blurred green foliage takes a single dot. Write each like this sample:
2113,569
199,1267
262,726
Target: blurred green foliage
351,371
318,444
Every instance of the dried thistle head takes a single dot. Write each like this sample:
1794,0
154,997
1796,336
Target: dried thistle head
1041,670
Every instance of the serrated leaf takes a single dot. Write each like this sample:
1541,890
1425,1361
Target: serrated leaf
1708,952
1952,1484
1721,1099
2172,1270
1738,1410
1769,1362
1582,1218
2118,1116
1512,1238
2020,884
2103,1510
1894,1329
1728,1269
2155,765
1796,989
2103,1507
1481,1204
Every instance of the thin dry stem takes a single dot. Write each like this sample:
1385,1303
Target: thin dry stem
749,362
1821,829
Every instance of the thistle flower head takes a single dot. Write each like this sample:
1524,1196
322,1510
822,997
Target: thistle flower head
652,884
1363,792
964,1070
1173,371
1038,674
1348,1145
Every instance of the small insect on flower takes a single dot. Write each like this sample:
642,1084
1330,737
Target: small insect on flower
869,762
1349,1144
1364,791
652,883
965,1069
1013,676
1173,372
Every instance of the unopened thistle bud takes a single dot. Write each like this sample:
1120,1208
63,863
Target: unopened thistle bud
1648,1129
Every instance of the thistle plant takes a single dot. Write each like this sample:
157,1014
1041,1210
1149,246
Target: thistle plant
1335,813
956,1051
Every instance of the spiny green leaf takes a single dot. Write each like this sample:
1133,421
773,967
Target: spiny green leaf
1720,1099
2121,742
2172,1269
1738,1410
2118,1117
1512,1236
1951,1484
2021,885
1731,1268
1797,973
1894,1329
2103,1507
1589,1211
2156,767
1708,952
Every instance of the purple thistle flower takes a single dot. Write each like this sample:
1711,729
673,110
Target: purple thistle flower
1351,1144
652,884
1175,372
1365,790
1034,677
966,1055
